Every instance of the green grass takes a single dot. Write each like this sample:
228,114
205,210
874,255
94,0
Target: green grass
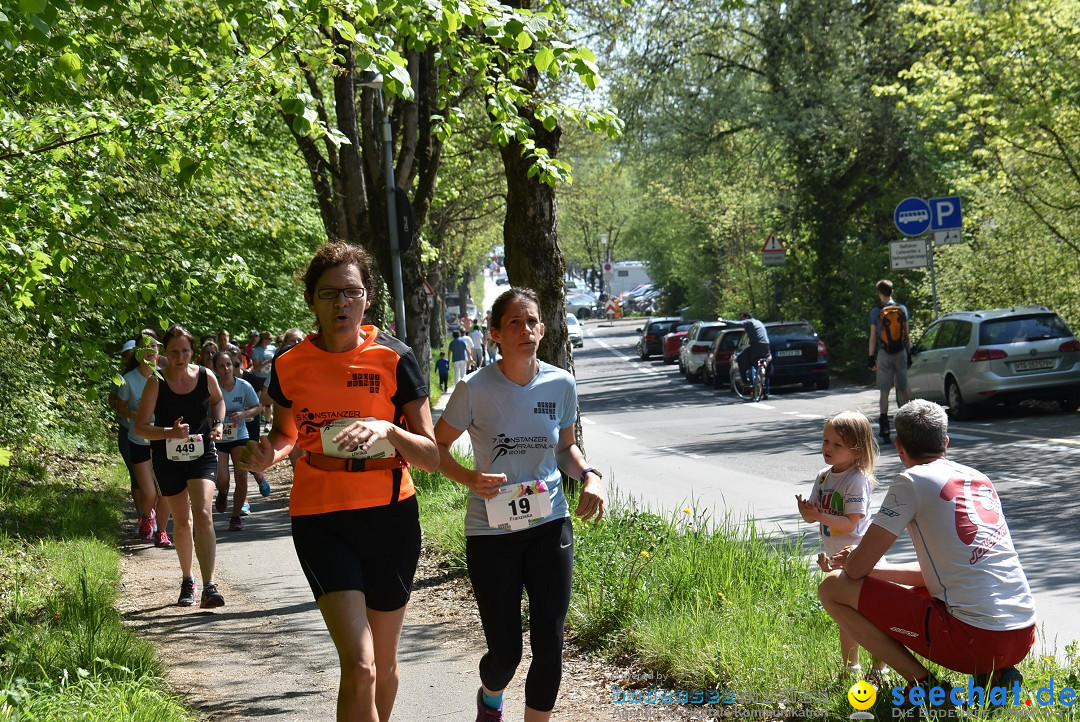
65,652
442,514
709,604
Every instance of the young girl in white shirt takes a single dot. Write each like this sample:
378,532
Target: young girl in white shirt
840,503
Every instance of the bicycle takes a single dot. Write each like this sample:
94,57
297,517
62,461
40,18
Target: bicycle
752,389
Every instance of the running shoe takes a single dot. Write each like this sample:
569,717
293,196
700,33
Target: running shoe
236,524
211,597
146,528
264,485
187,593
162,540
221,503
245,509
485,713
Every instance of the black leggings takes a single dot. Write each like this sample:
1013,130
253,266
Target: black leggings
539,560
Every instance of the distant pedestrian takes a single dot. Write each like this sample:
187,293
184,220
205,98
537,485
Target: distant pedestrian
890,352
356,402
517,520
477,338
443,367
459,356
839,504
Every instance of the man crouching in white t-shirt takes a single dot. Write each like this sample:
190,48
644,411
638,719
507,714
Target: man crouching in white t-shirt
966,604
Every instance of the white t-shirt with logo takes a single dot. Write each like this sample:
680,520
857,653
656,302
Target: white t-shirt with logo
514,431
846,492
953,515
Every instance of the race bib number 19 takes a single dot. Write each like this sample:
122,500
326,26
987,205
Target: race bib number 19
519,506
188,449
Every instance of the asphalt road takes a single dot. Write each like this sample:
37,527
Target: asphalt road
670,444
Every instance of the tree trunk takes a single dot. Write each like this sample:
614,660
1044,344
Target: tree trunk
530,236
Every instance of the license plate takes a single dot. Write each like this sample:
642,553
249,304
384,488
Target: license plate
1045,363
789,352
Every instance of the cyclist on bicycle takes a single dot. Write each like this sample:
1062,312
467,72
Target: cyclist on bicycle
758,349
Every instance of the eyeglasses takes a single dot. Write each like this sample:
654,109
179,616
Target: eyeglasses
329,294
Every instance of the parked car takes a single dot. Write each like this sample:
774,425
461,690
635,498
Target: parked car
698,341
969,358
672,342
798,355
581,305
652,334
574,331
717,365
502,279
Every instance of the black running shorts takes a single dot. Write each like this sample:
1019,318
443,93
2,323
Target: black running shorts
173,476
138,453
373,551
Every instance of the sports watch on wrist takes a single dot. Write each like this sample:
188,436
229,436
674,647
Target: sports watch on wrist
588,471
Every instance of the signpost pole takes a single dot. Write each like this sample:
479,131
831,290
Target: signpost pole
930,254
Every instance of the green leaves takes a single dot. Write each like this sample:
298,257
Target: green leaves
29,7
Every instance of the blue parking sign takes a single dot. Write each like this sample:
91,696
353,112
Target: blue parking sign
945,213
912,216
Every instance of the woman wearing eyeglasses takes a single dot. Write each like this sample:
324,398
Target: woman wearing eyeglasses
355,400
241,404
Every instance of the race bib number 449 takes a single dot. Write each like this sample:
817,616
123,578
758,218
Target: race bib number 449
519,506
188,449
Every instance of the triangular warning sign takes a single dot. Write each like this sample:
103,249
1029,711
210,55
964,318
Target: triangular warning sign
772,244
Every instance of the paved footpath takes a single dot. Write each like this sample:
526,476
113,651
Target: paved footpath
266,655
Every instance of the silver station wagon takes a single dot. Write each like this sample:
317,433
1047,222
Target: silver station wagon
1001,355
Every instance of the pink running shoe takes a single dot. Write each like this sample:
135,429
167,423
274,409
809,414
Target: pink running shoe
162,540
146,528
485,713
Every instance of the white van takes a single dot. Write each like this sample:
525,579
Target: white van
626,276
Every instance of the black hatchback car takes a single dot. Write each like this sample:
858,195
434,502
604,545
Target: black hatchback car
798,355
652,335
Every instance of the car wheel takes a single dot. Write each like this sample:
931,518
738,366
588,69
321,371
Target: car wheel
717,382
960,408
668,360
823,385
1070,401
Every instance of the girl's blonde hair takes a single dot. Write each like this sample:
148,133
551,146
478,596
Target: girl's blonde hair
854,429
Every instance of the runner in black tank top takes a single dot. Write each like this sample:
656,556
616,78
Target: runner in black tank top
184,457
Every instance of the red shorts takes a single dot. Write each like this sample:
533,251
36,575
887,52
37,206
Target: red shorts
923,624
